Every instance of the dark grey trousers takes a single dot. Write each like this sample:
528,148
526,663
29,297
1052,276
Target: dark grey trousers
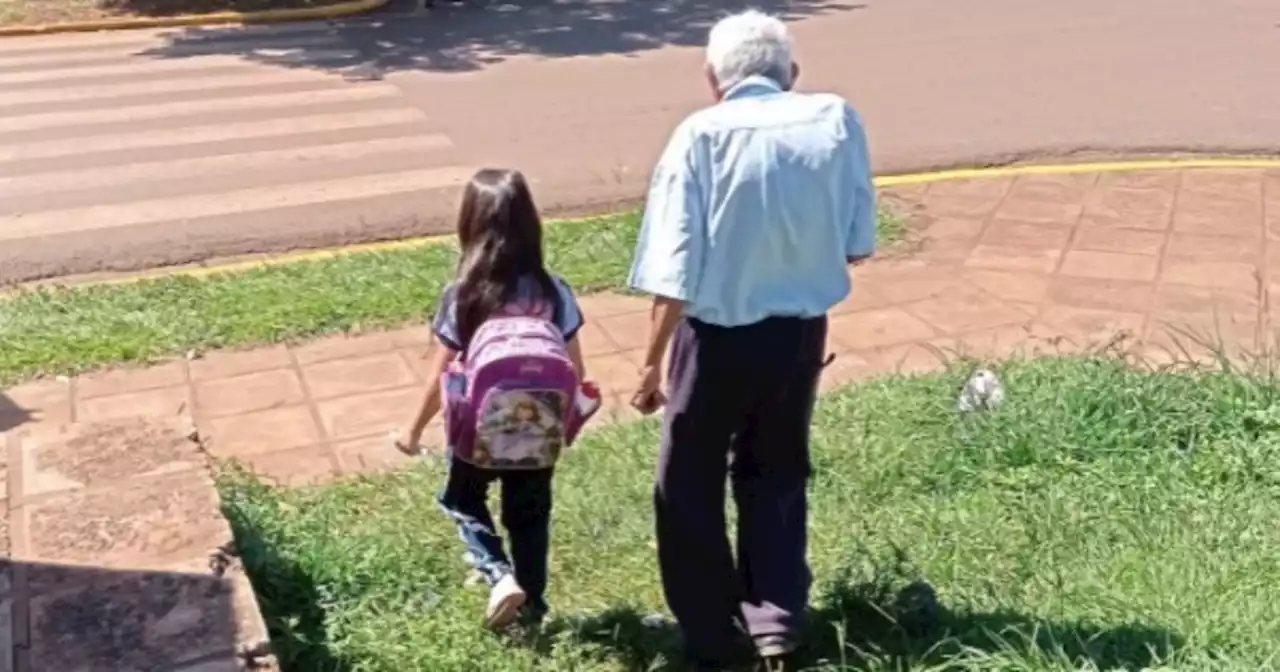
740,401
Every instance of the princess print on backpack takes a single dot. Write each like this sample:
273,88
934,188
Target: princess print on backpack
507,372
518,411
521,430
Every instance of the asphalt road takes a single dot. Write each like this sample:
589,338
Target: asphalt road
127,151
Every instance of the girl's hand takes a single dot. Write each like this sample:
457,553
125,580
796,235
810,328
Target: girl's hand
412,446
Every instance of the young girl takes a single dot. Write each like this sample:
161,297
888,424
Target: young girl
501,272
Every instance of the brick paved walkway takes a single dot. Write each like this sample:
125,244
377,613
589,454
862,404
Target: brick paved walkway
995,265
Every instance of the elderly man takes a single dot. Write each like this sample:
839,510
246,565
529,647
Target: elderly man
755,210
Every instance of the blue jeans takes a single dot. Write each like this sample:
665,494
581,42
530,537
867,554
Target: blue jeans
526,514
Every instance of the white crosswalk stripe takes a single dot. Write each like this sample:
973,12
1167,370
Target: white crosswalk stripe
225,164
179,83
22,60
166,66
233,202
114,131
194,135
157,111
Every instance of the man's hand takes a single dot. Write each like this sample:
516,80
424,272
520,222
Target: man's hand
663,318
648,396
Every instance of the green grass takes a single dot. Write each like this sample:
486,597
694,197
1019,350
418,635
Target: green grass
69,330
1102,518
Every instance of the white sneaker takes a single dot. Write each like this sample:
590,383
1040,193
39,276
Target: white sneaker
505,600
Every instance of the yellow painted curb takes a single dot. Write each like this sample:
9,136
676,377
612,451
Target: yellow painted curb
882,181
1074,169
337,11
311,256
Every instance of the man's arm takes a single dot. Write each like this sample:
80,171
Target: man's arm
860,244
669,254
663,318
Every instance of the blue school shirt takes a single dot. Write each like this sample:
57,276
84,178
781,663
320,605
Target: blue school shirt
528,301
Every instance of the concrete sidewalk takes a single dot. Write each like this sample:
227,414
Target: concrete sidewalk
103,481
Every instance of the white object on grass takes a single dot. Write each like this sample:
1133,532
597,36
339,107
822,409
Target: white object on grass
983,390
655,621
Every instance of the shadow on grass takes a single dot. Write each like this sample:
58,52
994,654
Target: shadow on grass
289,601
908,625
894,626
884,618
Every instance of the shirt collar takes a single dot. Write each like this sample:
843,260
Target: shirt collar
755,85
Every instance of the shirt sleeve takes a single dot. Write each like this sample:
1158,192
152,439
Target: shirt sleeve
860,240
570,319
669,252
445,323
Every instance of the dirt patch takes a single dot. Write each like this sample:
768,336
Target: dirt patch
44,12
113,451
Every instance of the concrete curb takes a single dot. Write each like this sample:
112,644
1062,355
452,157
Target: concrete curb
342,9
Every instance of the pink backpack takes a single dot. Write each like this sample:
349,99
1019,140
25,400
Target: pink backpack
512,403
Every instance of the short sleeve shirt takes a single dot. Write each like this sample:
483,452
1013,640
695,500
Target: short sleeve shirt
528,301
756,207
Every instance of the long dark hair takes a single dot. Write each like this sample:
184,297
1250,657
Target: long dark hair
500,233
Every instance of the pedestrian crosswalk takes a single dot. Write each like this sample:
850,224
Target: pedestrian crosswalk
164,146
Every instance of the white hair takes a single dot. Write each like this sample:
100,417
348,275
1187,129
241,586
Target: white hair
747,44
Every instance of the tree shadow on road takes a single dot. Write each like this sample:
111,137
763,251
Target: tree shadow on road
468,36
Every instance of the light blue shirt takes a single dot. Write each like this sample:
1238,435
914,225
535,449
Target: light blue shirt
756,206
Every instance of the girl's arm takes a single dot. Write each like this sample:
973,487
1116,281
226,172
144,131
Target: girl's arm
438,360
575,355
